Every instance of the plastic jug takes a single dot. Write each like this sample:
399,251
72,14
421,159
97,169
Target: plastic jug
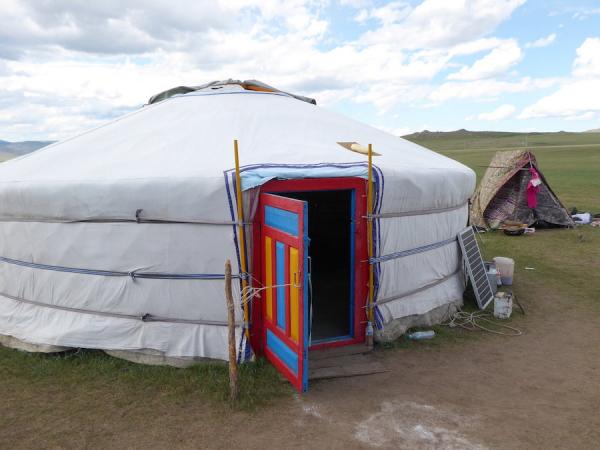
421,335
506,269
503,304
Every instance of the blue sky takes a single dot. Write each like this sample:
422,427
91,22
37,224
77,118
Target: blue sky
404,66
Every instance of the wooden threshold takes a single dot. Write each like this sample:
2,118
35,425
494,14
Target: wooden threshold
339,362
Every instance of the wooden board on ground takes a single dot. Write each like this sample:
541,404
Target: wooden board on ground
335,352
349,361
351,370
344,360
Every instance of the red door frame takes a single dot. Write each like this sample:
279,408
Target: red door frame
359,186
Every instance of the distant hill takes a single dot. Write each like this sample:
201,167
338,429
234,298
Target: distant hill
12,149
465,140
595,130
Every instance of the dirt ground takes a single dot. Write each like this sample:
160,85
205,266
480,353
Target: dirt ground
539,390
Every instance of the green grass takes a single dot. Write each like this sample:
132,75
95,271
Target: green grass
260,383
484,140
564,262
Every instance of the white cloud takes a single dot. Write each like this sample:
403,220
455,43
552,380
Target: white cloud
577,98
362,16
571,100
500,113
583,13
488,90
88,61
476,46
444,23
354,3
389,14
397,131
590,115
497,62
542,42
587,61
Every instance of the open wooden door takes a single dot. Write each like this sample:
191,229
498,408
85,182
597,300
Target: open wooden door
285,263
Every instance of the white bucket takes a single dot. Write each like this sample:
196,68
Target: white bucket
503,304
506,269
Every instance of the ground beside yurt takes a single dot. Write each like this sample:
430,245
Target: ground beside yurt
538,385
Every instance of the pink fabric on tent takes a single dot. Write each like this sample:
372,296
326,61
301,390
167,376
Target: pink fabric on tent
533,187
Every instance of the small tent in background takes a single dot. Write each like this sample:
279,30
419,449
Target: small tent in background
513,188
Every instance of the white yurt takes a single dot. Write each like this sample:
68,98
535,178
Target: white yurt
116,239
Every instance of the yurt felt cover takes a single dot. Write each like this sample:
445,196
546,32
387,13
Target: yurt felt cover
152,194
501,193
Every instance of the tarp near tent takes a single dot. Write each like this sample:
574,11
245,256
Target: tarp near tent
502,194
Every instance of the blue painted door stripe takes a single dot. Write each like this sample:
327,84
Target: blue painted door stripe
280,264
283,352
281,219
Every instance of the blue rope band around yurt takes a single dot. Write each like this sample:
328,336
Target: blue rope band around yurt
115,273
413,251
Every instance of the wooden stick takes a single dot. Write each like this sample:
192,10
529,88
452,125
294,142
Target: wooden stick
241,231
370,233
233,369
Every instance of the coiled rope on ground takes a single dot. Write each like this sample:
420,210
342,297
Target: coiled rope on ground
473,321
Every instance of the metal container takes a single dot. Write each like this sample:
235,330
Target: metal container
492,274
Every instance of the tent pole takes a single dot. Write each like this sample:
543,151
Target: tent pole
370,232
242,234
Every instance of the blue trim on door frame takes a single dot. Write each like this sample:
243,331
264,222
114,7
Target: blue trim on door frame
305,315
352,256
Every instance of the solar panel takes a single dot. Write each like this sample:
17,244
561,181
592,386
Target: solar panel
475,267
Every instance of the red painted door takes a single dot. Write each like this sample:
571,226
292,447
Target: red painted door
285,266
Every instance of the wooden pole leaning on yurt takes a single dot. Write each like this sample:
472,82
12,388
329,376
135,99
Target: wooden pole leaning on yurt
241,233
234,389
370,233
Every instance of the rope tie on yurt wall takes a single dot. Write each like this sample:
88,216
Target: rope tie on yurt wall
138,219
143,317
249,293
422,212
134,274
417,290
413,251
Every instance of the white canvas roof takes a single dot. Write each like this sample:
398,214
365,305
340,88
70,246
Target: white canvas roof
171,161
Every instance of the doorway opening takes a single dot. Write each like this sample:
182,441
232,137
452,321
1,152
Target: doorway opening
335,278
331,253
310,256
